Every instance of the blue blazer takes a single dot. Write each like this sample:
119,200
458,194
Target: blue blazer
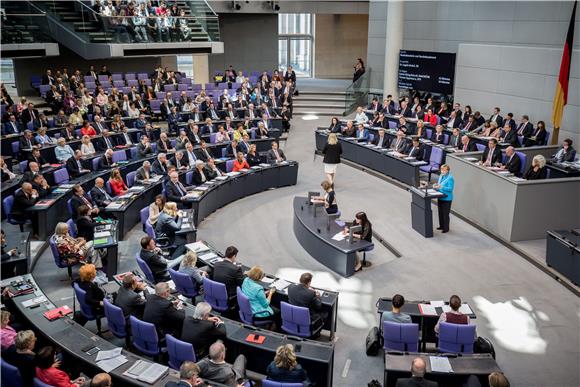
8,129
365,135
447,184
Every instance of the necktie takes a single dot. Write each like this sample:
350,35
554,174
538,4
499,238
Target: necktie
180,188
521,129
465,147
79,165
107,197
489,155
87,203
380,141
14,127
29,143
277,155
128,139
32,114
109,145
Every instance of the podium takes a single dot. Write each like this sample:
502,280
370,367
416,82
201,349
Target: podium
421,214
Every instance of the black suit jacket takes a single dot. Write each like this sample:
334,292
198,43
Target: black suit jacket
512,138
455,141
29,176
514,165
140,174
102,144
26,117
495,158
525,130
201,334
158,169
86,228
300,295
182,162
24,143
72,167
229,274
196,178
131,303
104,162
230,151
21,203
39,160
386,141
164,315
172,193
157,265
415,382
419,153
75,203
99,198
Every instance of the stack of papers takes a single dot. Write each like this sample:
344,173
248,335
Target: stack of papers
472,159
427,310
264,165
197,247
34,301
115,205
201,188
146,372
221,178
232,174
465,309
102,234
440,364
339,236
280,284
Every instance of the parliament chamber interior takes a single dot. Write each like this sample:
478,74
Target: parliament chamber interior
290,193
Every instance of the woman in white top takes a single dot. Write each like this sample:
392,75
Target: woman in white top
361,117
132,112
188,106
87,147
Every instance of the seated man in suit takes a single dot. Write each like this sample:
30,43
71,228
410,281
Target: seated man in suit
188,376
100,196
129,298
41,186
400,144
496,117
349,130
455,139
567,153
275,155
362,133
167,316
418,370
144,147
179,162
36,157
510,136
143,173
78,199
200,174
202,330
525,128
25,198
491,155
215,369
159,166
233,149
513,163
175,191
68,133
212,170
302,294
417,150
193,134
467,145
381,140
204,153
106,141
228,272
438,136
27,144
189,155
106,160
33,170
12,126
152,255
74,166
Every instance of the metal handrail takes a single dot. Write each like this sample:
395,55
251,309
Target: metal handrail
24,14
210,8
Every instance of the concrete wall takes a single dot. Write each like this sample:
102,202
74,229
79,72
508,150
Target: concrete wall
294,6
250,43
339,40
25,68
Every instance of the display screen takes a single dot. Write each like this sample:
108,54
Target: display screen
427,71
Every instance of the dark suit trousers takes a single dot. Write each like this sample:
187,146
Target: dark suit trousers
444,208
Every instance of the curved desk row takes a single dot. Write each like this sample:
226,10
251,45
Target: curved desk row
315,234
214,194
406,171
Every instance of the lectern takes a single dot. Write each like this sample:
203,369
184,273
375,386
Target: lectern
421,214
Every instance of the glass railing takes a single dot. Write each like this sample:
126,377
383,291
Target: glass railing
206,17
109,26
22,23
357,93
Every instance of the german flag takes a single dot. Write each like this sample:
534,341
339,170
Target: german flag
561,96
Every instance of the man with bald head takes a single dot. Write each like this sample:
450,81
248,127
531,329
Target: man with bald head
418,369
99,195
175,191
215,368
143,173
167,316
25,198
101,380
513,162
33,170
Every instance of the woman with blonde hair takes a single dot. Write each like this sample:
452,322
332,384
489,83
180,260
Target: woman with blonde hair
285,367
188,266
118,186
74,250
329,198
168,223
87,147
538,169
332,151
259,299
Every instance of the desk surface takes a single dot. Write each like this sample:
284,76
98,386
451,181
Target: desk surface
474,364
411,308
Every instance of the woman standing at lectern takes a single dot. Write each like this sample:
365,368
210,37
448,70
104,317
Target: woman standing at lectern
445,185
329,198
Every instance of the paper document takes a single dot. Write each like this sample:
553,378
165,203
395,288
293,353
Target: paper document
472,159
208,256
102,234
339,236
268,280
427,310
197,247
432,191
33,301
115,205
110,364
437,304
440,364
221,178
280,284
465,309
201,188
104,355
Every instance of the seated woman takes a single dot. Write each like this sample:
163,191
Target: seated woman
42,138
240,163
23,356
118,186
156,208
47,370
221,135
252,157
133,112
188,267
538,169
366,234
285,368
74,249
329,198
88,130
454,316
335,126
7,333
87,147
94,294
168,223
240,132
260,299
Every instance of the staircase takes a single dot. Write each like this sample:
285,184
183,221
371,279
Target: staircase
319,103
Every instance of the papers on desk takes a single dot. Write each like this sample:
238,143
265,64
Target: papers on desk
115,205
222,178
268,280
440,364
104,355
409,158
415,163
472,159
197,247
339,236
201,188
125,196
264,165
193,194
465,309
137,188
102,234
432,191
244,170
34,301
370,145
256,167
232,174
427,310
211,258
146,372
108,365
437,304
280,284
515,178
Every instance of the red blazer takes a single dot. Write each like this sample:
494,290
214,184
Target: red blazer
90,131
54,377
242,165
117,187
432,119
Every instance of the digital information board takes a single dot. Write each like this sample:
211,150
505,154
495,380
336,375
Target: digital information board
427,71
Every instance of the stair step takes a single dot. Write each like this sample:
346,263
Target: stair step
332,98
320,93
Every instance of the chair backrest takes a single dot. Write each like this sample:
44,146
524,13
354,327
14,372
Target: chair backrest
480,147
271,383
108,187
401,337
144,336
23,165
428,132
10,375
72,228
229,165
119,155
183,283
95,164
295,320
144,267
144,215
115,319
149,229
523,159
69,207
86,309
61,176
246,314
55,253
131,180
456,337
215,294
15,147
142,76
547,141
436,157
7,204
178,351
39,383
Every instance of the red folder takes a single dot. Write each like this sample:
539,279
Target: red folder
256,339
53,314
